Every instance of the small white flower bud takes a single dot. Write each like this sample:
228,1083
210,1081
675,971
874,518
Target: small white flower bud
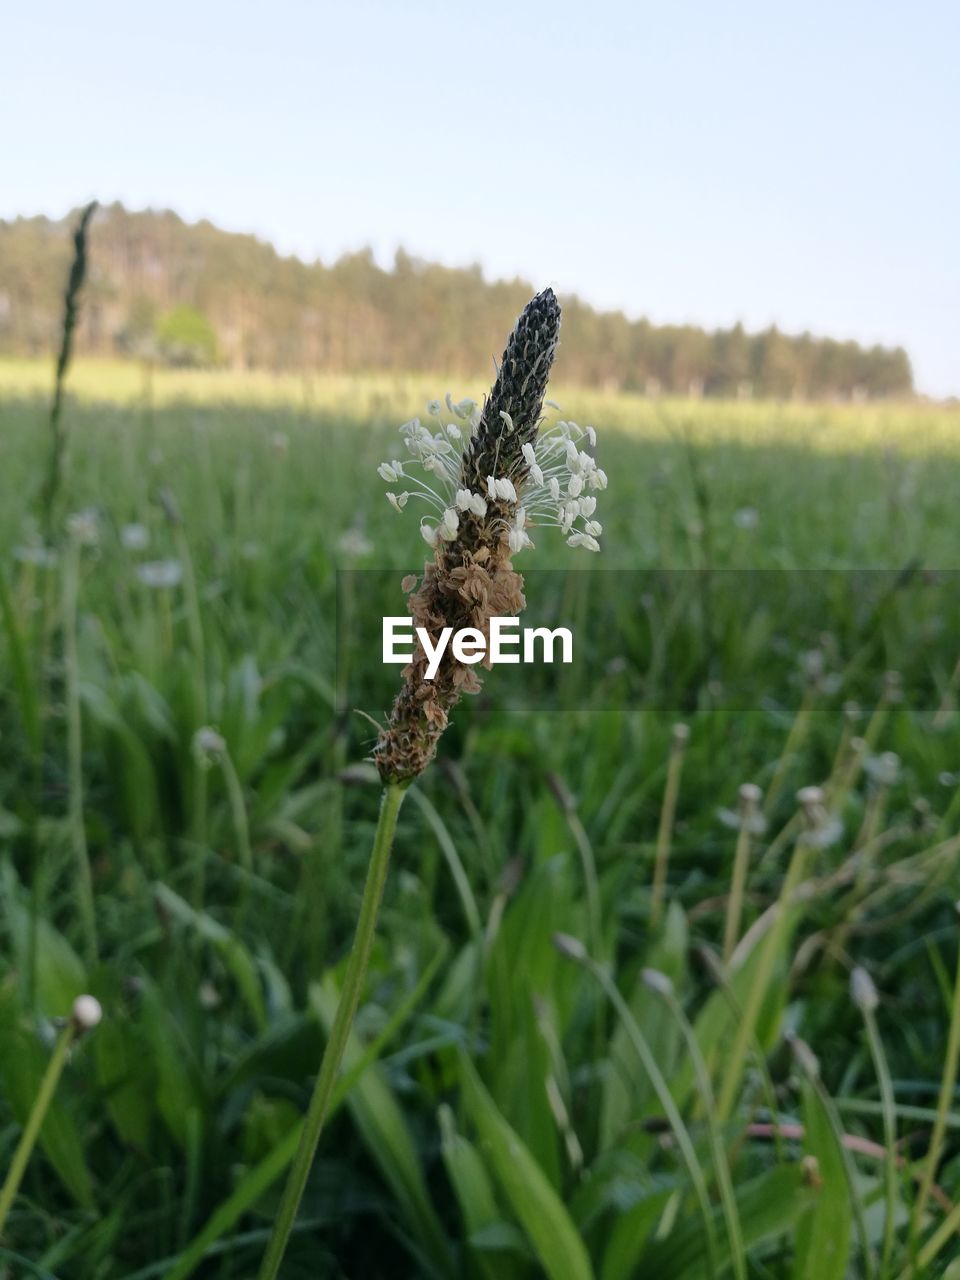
750,795
862,989
135,537
810,798
809,1063
83,527
570,947
87,1012
657,981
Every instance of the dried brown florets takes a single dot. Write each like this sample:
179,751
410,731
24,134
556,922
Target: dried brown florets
471,578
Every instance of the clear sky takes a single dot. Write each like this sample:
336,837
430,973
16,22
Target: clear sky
690,160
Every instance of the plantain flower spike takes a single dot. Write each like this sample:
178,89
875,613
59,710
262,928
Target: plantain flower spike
490,494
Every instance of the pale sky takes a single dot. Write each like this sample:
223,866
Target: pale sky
689,161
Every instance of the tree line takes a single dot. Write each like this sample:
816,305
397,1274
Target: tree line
167,290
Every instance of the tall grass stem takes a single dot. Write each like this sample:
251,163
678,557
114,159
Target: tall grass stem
53,482
728,1199
667,814
749,796
758,987
948,1083
75,807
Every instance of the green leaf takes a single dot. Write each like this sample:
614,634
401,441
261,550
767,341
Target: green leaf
629,1236
478,1206
823,1234
23,680
124,1076
539,1209
254,1184
768,1206
232,951
627,1092
177,1090
59,975
245,1195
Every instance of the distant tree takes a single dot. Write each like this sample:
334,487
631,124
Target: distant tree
185,337
138,336
774,364
233,299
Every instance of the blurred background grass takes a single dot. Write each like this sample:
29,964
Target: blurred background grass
225,884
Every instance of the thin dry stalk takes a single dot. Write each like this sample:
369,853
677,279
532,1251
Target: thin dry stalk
678,746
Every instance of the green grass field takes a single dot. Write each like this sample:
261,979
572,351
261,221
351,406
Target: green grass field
507,1111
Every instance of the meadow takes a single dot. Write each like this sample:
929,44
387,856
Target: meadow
624,1019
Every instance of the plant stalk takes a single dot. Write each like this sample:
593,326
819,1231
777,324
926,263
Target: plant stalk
391,801
665,830
41,1104
947,1086
78,835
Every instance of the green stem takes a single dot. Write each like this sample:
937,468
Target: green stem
947,1084
41,1103
769,948
78,835
337,1041
728,1200
947,1228
191,596
889,1136
741,859
795,739
241,827
665,830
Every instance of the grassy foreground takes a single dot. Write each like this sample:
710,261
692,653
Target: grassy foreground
682,1084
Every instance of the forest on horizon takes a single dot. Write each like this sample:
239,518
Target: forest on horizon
162,289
